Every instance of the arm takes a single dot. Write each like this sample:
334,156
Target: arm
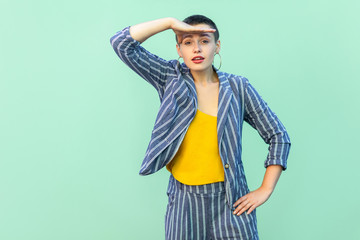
126,44
259,116
142,31
259,196
152,68
272,175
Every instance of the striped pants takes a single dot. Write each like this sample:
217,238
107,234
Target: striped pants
199,212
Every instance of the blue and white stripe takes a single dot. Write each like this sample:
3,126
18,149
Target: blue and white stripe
199,212
238,102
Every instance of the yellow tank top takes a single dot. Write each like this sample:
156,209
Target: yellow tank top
197,160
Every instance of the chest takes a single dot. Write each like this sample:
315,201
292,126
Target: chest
208,98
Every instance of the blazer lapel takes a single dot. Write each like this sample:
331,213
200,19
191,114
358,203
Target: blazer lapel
225,95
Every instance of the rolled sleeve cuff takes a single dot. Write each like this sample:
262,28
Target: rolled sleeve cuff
276,162
278,157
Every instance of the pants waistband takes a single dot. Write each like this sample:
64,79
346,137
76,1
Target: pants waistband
205,188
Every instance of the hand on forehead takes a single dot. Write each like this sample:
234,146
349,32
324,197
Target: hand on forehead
184,35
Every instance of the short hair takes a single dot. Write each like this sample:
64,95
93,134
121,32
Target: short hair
199,19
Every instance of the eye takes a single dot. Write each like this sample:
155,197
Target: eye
186,43
205,41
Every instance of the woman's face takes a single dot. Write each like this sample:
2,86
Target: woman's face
198,44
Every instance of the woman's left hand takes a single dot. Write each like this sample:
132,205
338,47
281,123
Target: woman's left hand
251,200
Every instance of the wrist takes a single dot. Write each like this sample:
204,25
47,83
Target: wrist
267,189
170,21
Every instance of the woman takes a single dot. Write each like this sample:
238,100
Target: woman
197,132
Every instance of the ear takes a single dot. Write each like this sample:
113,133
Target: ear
178,50
218,46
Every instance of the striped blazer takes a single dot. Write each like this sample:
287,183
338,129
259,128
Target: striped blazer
238,101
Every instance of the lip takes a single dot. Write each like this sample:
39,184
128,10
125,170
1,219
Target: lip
198,57
198,61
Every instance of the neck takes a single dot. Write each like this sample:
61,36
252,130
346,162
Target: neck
205,77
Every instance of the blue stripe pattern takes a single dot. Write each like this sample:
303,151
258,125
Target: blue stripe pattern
200,212
238,102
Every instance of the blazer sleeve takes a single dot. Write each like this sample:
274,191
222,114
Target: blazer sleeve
272,131
149,66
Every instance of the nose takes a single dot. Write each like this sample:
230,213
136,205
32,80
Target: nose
196,47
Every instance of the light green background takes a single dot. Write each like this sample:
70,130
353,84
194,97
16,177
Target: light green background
76,121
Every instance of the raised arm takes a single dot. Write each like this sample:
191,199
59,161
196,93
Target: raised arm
152,68
142,31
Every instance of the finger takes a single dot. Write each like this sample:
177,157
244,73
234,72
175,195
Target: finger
207,29
239,200
241,211
180,37
241,206
251,209
247,206
202,30
195,29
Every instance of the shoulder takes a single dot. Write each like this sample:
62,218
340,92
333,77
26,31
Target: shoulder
236,80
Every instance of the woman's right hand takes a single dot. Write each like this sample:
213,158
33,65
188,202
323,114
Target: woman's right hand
181,28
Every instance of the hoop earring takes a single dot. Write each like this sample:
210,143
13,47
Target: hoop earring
220,59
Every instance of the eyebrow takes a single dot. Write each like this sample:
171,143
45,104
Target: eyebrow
190,35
